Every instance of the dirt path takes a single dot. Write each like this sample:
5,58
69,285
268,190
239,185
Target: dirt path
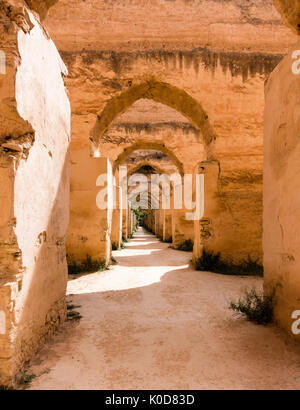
151,322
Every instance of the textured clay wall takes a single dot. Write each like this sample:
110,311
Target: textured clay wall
34,191
90,227
282,189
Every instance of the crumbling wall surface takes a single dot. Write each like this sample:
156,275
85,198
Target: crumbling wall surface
282,188
34,176
41,6
252,25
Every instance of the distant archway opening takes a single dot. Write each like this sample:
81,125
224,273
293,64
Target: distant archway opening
148,145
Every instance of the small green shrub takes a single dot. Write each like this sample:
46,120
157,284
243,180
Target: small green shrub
212,262
186,246
251,267
125,240
208,261
257,307
130,236
168,240
25,378
87,265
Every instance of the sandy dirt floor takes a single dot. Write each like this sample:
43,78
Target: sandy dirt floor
152,322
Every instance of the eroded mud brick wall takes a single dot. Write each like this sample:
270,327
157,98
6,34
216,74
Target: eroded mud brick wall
282,179
218,52
34,181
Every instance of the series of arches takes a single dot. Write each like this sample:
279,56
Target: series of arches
33,237
183,103
149,145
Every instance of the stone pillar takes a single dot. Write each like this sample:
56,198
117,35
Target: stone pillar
167,225
125,232
281,218
129,220
149,221
90,226
152,222
161,223
116,231
146,222
156,222
207,230
182,228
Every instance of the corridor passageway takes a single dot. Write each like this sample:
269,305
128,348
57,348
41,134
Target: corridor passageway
153,322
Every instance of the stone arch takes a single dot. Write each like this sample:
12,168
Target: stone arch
160,171
151,199
158,146
157,199
144,163
160,92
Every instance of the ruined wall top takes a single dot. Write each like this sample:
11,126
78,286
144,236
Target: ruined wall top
124,25
17,10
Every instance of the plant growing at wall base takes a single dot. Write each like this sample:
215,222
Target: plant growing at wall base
257,307
208,261
114,246
25,379
87,265
186,246
212,262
